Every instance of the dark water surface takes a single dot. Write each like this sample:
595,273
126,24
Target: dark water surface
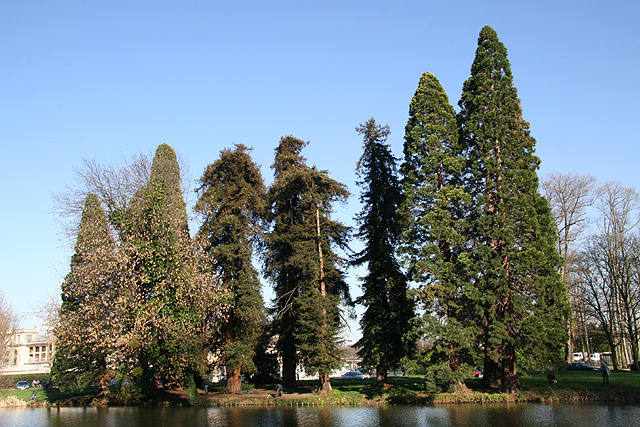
516,415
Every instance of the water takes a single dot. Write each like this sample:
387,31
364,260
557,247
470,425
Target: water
516,415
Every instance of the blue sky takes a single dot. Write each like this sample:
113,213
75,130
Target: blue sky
110,78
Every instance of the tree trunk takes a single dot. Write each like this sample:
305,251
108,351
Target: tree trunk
492,372
234,383
510,381
325,384
454,363
289,368
381,373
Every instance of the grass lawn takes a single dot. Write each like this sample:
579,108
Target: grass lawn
406,389
572,385
50,395
588,381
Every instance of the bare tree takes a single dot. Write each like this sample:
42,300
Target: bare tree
596,295
619,209
114,184
47,310
8,324
609,274
569,196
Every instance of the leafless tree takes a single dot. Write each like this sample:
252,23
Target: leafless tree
8,324
570,195
619,209
608,271
114,184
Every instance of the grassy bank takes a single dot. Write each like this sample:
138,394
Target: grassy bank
573,386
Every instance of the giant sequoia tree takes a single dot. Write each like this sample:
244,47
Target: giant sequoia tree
302,264
389,309
520,299
232,205
435,212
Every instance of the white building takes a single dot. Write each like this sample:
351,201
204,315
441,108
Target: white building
29,351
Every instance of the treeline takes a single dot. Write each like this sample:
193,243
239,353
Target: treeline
461,217
599,238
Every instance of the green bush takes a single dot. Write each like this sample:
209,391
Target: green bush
442,379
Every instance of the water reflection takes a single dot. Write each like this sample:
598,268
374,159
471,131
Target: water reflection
518,415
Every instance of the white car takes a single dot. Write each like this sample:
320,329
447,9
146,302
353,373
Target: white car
357,375
22,385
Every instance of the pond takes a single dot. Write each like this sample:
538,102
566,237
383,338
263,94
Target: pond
515,415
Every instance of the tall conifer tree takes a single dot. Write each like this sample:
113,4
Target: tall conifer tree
519,295
168,293
435,209
389,309
302,264
232,204
89,297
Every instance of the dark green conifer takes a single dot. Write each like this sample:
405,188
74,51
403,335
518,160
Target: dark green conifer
302,264
388,308
515,263
434,211
232,205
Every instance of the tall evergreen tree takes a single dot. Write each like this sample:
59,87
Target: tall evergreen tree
89,295
389,309
519,296
168,295
232,204
302,264
434,209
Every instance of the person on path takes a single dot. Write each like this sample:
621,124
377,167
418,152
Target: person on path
606,373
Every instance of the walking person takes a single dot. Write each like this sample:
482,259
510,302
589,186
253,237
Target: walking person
606,373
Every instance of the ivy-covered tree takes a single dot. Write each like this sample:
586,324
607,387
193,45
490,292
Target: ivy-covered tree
232,206
140,301
84,336
171,294
434,210
301,262
519,299
389,310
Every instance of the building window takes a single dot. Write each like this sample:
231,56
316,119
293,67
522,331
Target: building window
37,354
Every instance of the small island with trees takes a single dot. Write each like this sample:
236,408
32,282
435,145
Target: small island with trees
470,265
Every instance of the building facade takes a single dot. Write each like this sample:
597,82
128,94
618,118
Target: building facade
29,351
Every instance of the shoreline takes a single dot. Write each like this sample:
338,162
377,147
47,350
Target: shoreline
179,399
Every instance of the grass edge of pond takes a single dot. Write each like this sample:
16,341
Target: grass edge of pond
574,387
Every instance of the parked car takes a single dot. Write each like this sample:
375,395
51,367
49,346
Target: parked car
581,366
22,385
357,375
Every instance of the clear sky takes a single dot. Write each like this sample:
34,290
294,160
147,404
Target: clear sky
104,79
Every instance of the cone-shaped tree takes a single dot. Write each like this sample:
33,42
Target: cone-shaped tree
518,289
83,336
232,205
389,309
434,210
167,289
302,264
